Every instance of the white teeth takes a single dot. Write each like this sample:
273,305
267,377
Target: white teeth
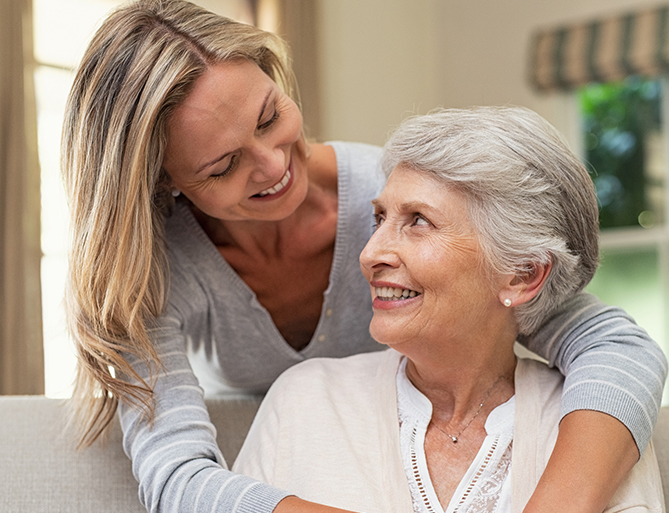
276,188
393,293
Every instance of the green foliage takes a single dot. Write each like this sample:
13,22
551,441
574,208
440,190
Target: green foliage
616,120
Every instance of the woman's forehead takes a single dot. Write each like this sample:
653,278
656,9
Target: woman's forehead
229,84
410,184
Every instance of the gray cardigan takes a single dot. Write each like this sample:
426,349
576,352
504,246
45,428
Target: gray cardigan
214,328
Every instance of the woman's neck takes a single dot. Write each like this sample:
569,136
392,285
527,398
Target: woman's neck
457,377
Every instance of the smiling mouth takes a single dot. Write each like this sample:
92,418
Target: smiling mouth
276,187
394,294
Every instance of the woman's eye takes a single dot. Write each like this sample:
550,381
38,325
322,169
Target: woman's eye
265,125
378,221
419,220
231,165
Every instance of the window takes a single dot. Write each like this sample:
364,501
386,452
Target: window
61,29
625,148
625,128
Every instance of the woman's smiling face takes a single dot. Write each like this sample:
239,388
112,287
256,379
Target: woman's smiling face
235,146
426,251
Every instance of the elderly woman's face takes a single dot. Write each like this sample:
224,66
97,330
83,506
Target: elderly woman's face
424,264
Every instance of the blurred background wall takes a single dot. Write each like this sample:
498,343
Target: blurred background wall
382,59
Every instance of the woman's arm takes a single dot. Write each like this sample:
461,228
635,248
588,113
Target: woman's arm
293,504
176,459
582,467
614,370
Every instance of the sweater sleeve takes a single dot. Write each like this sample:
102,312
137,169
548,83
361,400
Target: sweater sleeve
610,364
176,459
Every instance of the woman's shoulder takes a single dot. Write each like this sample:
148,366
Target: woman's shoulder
350,372
535,377
371,150
188,246
329,160
538,398
356,156
195,266
360,177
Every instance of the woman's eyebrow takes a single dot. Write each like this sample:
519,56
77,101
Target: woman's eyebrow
206,165
264,104
412,206
218,159
406,206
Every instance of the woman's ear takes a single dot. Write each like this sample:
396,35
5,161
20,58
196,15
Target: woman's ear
520,288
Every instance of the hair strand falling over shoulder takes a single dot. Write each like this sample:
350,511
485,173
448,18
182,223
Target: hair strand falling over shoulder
140,65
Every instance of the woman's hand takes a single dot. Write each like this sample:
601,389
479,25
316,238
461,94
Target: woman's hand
294,504
593,454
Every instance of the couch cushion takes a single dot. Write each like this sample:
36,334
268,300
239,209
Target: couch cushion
40,470
661,444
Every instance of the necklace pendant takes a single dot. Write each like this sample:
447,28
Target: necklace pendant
455,439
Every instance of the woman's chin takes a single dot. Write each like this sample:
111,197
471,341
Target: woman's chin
385,335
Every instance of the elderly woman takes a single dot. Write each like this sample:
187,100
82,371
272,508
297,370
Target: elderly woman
212,248
486,226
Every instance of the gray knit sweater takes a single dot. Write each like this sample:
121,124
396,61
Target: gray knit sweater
216,336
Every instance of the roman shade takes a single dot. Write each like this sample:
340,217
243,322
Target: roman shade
602,50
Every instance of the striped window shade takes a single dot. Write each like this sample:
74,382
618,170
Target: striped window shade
603,50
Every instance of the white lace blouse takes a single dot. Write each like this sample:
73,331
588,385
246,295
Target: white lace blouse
485,486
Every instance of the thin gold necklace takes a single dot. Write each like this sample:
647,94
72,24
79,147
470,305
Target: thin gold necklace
454,438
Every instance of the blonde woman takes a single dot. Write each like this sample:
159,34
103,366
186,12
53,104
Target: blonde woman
212,248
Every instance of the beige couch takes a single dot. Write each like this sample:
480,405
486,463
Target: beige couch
41,472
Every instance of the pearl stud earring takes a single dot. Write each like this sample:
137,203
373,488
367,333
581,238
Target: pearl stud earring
507,302
176,192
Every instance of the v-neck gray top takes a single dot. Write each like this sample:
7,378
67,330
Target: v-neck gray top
221,314
216,336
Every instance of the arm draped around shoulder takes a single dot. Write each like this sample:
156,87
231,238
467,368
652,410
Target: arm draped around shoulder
610,364
176,460
215,319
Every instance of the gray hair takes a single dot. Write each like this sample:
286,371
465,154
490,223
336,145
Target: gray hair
529,198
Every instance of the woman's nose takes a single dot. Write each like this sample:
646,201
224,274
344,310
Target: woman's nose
380,251
271,163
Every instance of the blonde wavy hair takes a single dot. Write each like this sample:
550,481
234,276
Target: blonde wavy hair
140,65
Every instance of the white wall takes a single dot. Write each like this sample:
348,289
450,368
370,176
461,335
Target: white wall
377,64
383,59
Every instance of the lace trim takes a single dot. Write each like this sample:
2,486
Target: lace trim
484,490
418,480
408,436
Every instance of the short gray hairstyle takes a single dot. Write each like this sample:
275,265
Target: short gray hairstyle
529,198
